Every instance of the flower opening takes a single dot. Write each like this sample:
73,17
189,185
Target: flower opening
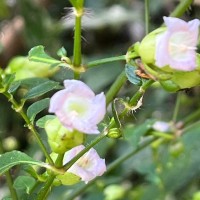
176,47
78,108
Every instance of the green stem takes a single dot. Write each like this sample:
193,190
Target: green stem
77,46
18,108
59,160
42,195
105,60
190,118
48,185
177,106
112,166
116,86
181,8
9,179
146,16
134,100
87,148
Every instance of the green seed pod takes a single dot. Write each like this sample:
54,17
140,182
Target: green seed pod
60,139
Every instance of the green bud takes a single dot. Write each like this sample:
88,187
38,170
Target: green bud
59,138
114,133
114,192
23,68
147,46
170,86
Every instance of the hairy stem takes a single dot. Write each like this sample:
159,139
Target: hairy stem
77,57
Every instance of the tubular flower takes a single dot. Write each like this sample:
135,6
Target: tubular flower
78,108
176,46
88,166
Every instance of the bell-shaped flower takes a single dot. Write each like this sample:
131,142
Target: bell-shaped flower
176,47
88,166
78,108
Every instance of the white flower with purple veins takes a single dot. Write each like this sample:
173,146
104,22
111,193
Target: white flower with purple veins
88,166
78,108
176,47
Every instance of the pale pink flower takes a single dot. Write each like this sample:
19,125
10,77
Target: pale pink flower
176,47
78,108
161,126
88,166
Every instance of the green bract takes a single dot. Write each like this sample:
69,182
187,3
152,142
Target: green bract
59,138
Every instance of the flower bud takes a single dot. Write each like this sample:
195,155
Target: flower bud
114,133
59,138
23,68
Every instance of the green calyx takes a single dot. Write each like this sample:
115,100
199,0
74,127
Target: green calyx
147,46
60,139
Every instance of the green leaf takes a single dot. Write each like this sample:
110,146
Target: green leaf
10,159
42,121
32,82
38,54
41,89
37,107
131,75
62,52
133,134
14,86
8,79
24,183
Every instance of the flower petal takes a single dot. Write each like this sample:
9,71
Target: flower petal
88,166
78,108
